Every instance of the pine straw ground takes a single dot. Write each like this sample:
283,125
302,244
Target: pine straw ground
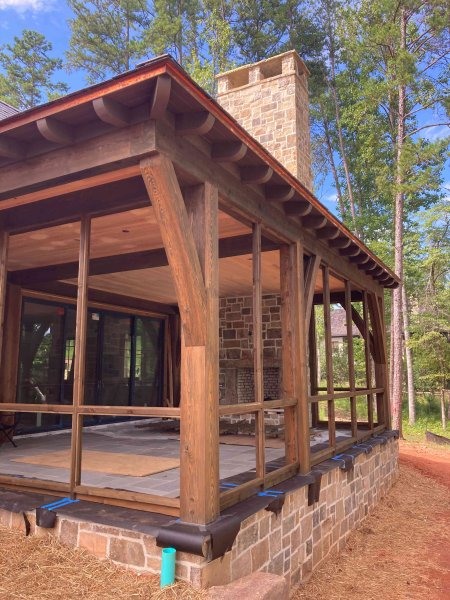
393,555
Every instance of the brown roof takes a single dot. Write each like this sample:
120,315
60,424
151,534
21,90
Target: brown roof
6,110
136,87
339,324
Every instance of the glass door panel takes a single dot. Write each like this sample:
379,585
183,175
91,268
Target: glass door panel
148,362
115,360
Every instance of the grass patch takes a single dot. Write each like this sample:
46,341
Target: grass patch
428,417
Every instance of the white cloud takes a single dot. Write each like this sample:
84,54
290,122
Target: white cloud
438,132
22,6
331,198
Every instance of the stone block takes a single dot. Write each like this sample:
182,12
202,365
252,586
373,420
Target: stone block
127,552
258,586
95,543
68,532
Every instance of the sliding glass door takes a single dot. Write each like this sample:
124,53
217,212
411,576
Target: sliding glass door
124,359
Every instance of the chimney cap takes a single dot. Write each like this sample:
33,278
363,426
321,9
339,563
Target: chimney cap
275,65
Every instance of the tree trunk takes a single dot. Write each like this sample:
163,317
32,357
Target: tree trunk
443,411
397,356
409,362
329,146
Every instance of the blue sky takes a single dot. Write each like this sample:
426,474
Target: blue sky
50,17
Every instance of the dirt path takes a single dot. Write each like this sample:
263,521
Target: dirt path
402,551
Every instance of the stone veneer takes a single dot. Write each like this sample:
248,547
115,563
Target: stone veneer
270,100
291,544
236,348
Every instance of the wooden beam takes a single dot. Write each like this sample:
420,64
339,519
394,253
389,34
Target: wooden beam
98,201
279,193
10,148
314,221
130,261
329,357
258,368
297,208
4,243
101,297
310,282
112,112
370,267
120,149
368,361
10,348
199,443
350,356
161,96
256,174
197,123
360,259
294,371
171,215
350,251
313,367
55,131
228,151
328,233
340,242
80,352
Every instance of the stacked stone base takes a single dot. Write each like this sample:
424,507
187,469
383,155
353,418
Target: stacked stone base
292,543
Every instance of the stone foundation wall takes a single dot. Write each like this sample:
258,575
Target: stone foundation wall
291,544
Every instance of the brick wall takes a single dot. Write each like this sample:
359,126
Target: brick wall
291,544
270,100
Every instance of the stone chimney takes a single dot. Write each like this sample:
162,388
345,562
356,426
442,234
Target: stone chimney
270,100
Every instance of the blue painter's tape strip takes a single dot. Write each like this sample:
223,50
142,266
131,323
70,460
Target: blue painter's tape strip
270,494
59,503
229,485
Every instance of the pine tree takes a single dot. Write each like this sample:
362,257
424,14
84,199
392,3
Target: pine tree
28,71
107,36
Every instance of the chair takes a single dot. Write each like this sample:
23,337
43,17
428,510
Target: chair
8,426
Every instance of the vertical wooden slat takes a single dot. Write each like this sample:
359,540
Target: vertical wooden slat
258,373
351,356
199,441
294,359
80,351
312,361
376,311
329,355
4,242
367,359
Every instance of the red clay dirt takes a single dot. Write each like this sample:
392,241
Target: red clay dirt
435,463
432,462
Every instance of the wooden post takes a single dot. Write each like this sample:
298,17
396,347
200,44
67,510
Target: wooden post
351,357
4,242
11,343
190,235
80,351
312,362
293,323
258,366
329,356
367,356
376,311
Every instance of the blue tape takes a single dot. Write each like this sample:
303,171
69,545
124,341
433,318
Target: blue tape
229,485
59,503
271,494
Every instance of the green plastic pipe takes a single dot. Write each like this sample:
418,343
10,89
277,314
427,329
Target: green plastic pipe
167,567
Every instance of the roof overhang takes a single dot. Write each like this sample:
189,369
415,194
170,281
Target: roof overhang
157,86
